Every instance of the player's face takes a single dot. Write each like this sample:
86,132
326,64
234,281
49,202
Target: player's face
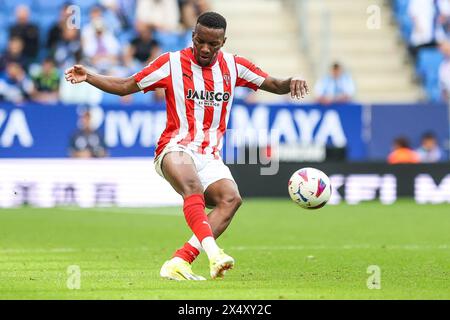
207,43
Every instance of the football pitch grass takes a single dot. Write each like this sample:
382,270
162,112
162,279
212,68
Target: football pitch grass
281,252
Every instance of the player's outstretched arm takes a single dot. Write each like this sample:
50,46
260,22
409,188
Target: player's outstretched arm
120,86
297,86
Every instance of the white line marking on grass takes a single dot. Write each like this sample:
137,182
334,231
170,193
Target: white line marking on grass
343,247
152,211
39,250
237,248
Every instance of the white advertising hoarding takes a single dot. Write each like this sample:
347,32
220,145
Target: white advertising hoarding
83,182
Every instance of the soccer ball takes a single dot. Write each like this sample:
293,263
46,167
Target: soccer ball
310,188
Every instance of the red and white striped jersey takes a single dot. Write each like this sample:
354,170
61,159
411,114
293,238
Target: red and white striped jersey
198,99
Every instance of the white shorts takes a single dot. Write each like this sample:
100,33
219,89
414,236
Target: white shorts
209,169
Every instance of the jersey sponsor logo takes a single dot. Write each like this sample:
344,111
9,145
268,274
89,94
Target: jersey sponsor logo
208,95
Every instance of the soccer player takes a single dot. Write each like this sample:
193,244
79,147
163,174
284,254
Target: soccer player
199,84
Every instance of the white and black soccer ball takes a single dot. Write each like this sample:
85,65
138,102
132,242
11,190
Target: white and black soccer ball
310,188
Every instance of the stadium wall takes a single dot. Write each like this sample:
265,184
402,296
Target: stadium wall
355,182
365,132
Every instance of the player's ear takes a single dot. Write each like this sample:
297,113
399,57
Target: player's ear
224,40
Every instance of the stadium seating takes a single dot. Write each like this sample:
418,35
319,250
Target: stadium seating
3,40
428,59
428,62
359,48
373,54
400,10
49,6
265,32
10,5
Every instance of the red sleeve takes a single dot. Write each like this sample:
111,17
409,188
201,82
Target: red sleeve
155,75
248,74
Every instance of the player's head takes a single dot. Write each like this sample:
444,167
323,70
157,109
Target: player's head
336,70
208,37
429,141
85,120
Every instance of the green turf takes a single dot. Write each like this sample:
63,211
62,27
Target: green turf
281,252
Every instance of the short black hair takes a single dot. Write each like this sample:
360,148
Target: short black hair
428,135
212,20
402,142
336,65
48,59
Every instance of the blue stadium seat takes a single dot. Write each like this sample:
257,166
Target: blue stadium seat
85,5
3,39
45,22
49,6
84,18
10,5
433,90
401,7
406,27
125,37
428,62
169,41
3,21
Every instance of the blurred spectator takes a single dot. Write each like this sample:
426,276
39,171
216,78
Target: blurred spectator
101,13
143,48
163,15
100,47
429,150
443,29
115,16
429,23
13,53
55,34
200,6
444,71
15,86
189,16
402,153
126,10
27,31
46,83
80,93
338,86
85,142
67,47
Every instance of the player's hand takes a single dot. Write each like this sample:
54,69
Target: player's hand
76,74
299,88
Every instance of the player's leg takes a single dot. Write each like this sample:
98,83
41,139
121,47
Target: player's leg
179,267
180,171
224,196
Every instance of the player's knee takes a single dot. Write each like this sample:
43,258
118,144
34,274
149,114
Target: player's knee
237,201
192,186
231,201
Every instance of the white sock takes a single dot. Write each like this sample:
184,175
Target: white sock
193,241
210,247
177,259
